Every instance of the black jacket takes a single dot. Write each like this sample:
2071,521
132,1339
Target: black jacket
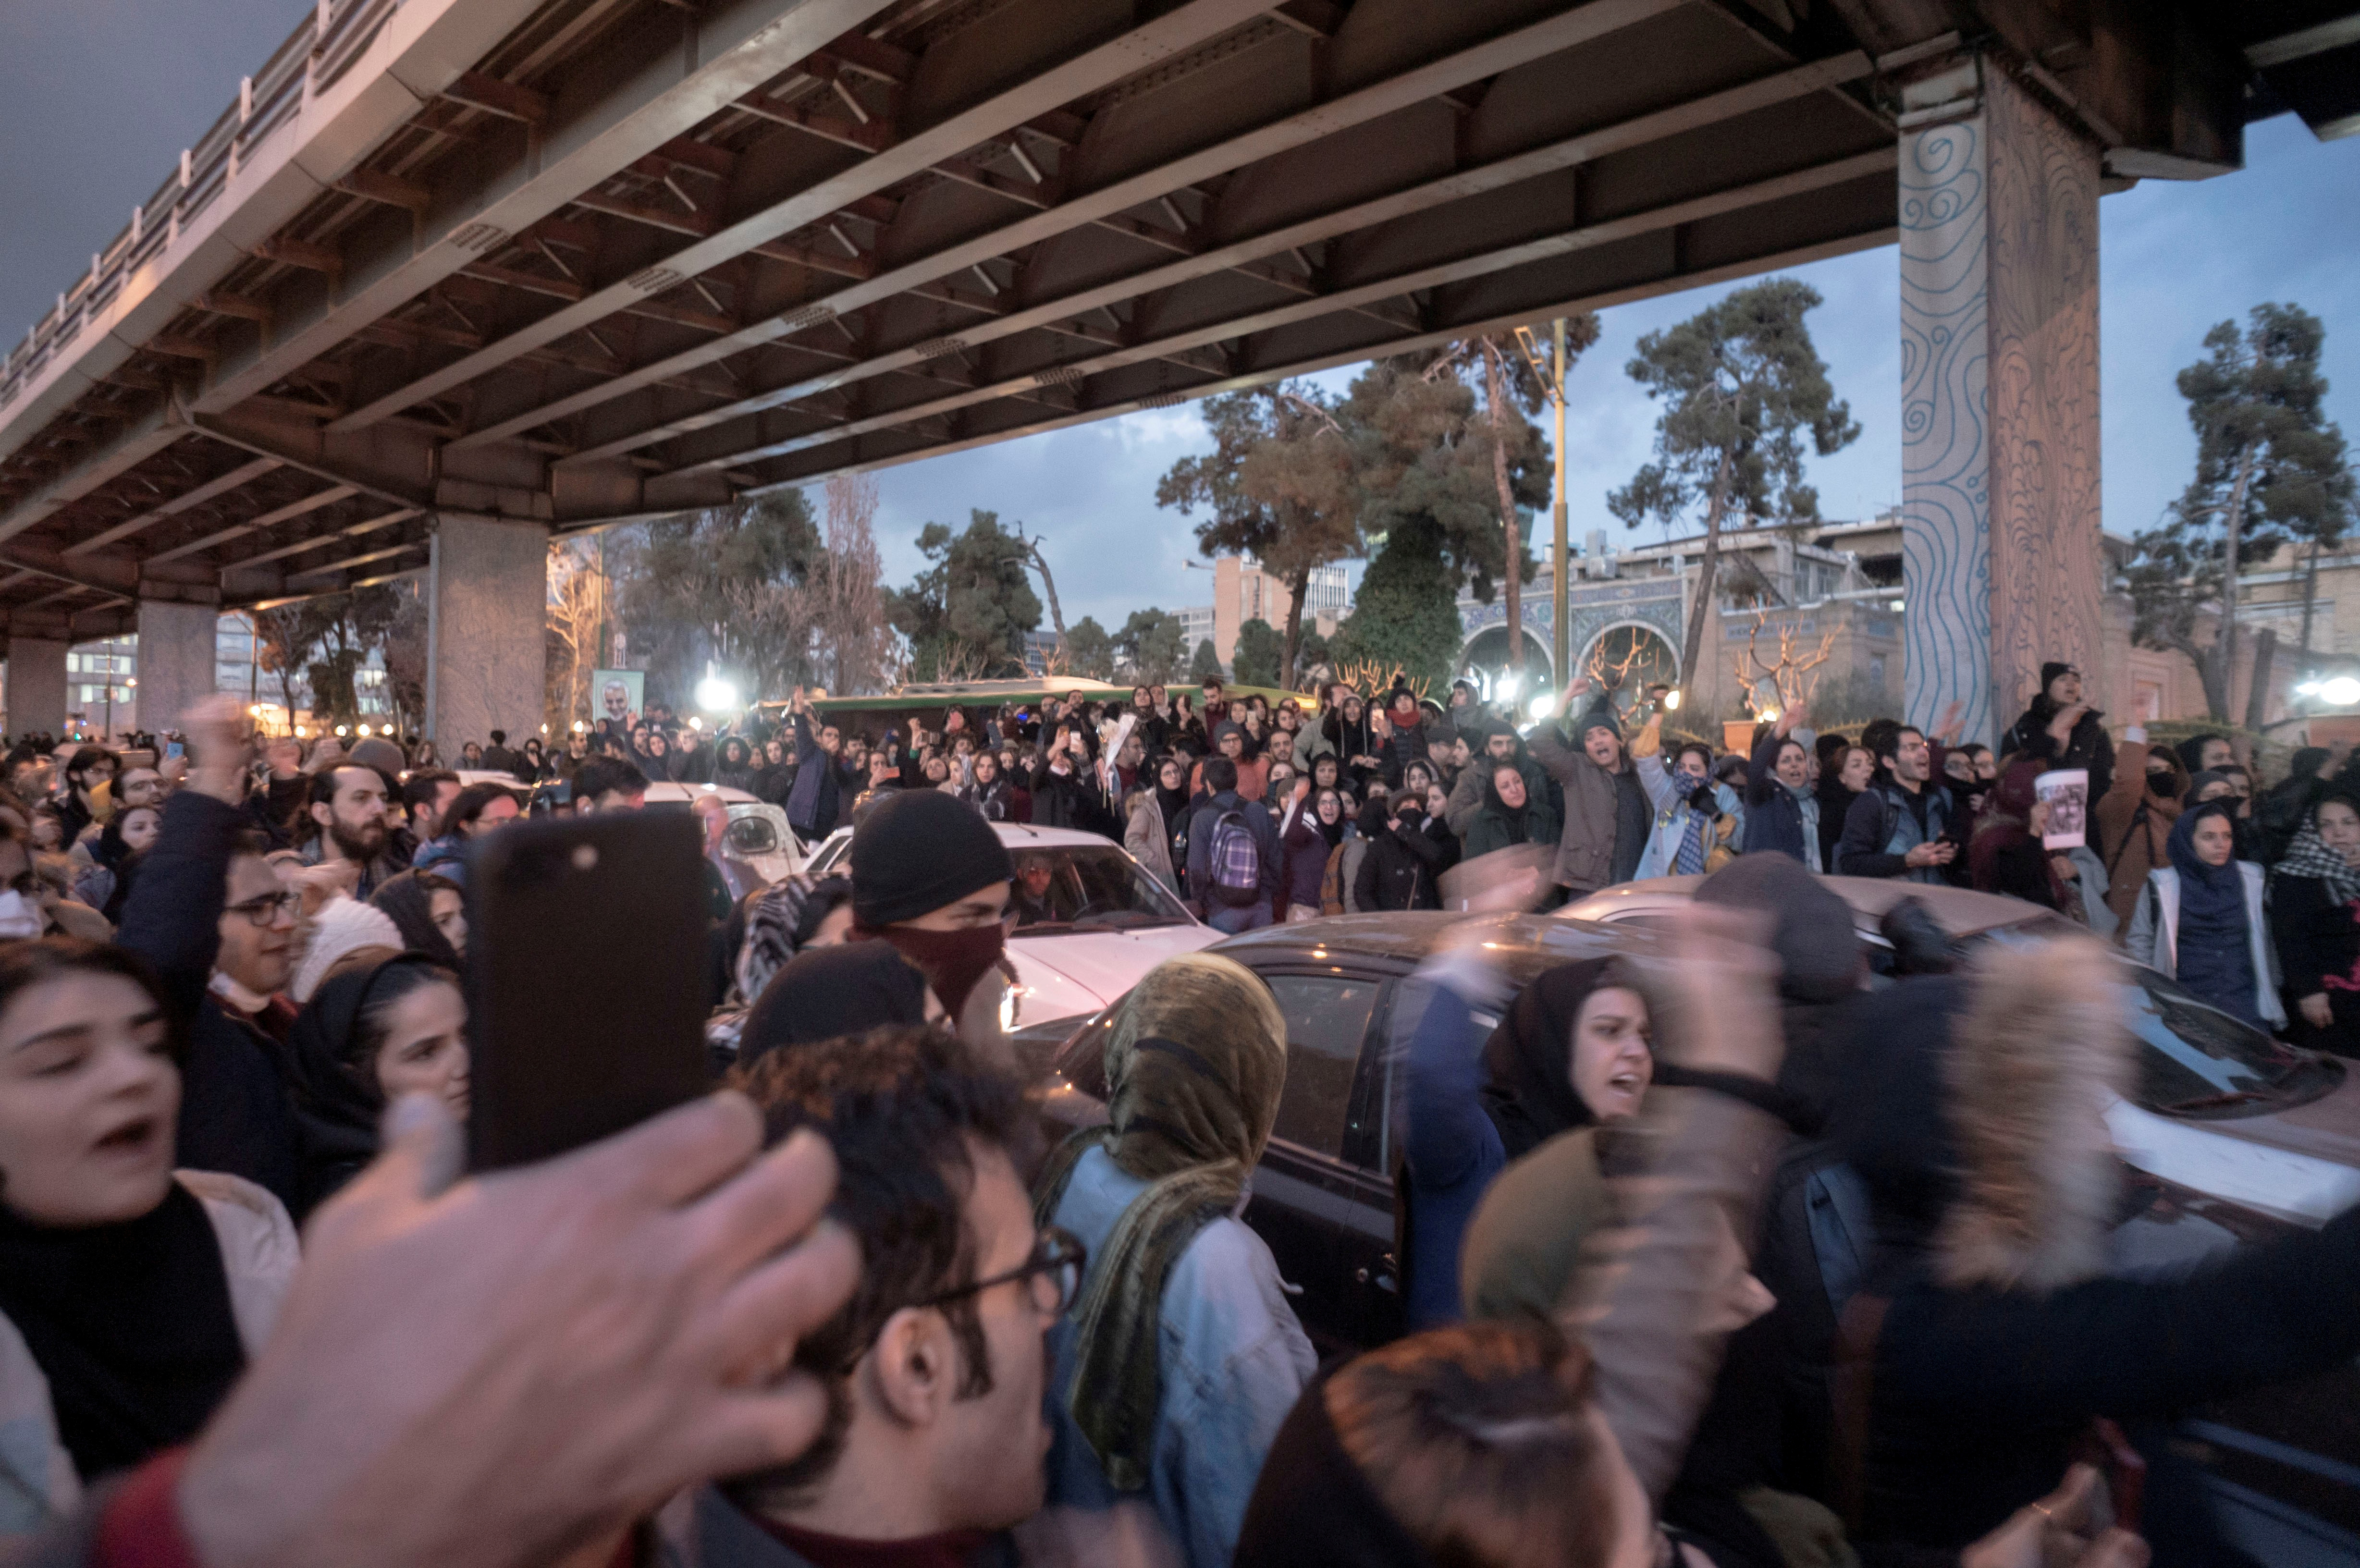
2316,937
1402,868
235,1115
2088,746
1071,800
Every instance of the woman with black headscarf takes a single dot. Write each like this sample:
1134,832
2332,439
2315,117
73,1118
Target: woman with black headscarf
2315,916
1571,1050
371,1033
429,912
2201,918
733,764
135,1292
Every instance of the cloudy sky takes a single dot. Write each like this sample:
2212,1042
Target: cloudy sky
98,97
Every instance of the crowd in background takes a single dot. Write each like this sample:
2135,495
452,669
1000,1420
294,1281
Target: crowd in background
251,1314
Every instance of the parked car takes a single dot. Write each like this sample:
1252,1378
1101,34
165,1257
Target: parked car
2221,1108
758,834
1090,919
1323,1195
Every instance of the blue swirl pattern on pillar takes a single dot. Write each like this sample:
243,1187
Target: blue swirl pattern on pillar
1945,466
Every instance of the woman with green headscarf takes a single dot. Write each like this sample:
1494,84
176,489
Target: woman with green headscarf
1182,1356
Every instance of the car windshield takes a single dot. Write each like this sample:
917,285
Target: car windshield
1084,887
2196,1057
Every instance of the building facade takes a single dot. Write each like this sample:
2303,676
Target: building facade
1243,592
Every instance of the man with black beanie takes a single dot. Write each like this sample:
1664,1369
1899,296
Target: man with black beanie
930,877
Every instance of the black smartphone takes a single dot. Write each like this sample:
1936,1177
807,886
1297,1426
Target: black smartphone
585,988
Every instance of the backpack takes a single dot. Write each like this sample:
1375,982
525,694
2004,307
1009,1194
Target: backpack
1235,861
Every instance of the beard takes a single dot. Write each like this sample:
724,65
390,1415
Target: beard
362,844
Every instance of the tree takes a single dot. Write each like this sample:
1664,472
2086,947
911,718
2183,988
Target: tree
1207,665
1152,647
574,621
1259,652
1740,384
1282,486
2269,468
720,586
1089,652
972,607
1407,613
847,588
1315,651
406,655
326,640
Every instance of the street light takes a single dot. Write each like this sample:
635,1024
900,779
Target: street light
716,695
2341,692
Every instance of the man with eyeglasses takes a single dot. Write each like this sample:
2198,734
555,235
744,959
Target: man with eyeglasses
210,914
934,1440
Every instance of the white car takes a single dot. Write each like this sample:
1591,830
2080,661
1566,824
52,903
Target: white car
758,834
1092,920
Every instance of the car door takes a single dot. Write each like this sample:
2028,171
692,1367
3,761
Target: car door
1312,1200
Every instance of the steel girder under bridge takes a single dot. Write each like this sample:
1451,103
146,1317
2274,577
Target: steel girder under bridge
577,261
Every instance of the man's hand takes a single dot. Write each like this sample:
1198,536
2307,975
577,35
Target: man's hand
1575,690
1379,725
2317,1011
1946,728
215,726
526,1360
285,756
319,884
1941,852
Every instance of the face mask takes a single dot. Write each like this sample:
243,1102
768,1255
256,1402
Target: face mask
953,961
19,916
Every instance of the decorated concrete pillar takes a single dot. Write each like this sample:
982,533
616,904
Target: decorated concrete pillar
2000,556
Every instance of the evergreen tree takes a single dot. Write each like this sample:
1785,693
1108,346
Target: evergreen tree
1259,652
1152,647
1089,652
2269,468
1742,383
1207,665
1407,610
967,615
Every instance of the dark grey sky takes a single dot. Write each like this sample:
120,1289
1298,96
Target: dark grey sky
97,97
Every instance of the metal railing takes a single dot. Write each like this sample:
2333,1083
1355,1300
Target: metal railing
312,58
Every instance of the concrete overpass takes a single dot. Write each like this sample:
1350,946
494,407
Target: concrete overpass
451,275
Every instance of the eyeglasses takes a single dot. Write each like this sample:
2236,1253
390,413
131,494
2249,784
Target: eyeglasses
264,912
1057,1259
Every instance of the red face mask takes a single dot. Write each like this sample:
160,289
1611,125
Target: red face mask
953,961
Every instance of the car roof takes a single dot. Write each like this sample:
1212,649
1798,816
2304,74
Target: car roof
1025,835
1405,937
673,789
1962,912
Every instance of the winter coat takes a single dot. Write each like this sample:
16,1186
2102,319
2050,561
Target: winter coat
1467,791
2004,1335
1149,839
1355,853
1775,818
258,1257
1403,869
1494,827
2133,823
235,1115
1607,817
1231,1359
822,786
2087,747
1675,818
1200,847
1071,800
1303,861
2318,951
2154,938
1880,830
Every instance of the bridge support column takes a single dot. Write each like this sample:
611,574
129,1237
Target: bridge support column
37,685
488,592
1999,395
176,660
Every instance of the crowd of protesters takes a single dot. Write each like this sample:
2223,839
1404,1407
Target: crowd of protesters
858,1309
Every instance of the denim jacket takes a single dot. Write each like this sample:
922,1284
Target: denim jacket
1233,1361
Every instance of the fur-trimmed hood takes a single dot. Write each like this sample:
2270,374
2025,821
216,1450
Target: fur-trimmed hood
1977,1116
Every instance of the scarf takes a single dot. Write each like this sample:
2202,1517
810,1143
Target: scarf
1807,802
2309,855
1514,822
129,1322
2213,958
336,1098
1332,831
1194,1064
409,903
1528,1089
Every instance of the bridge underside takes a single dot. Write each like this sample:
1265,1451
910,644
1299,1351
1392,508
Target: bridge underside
577,261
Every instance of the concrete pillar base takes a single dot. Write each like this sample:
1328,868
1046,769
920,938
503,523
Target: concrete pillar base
176,661
1999,400
488,592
